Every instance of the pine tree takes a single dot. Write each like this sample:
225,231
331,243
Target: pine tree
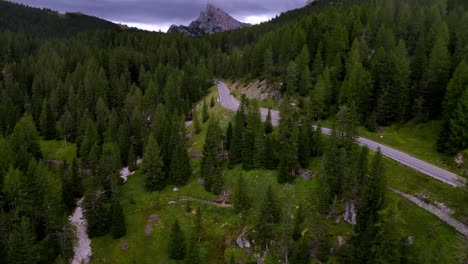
196,123
152,166
205,114
118,228
96,210
270,160
212,102
180,170
193,251
304,144
210,167
320,96
268,65
292,78
228,139
268,124
437,76
251,136
268,217
176,244
235,150
389,241
458,124
372,201
241,199
131,159
24,142
47,121
22,244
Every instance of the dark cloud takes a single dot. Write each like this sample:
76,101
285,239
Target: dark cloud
163,12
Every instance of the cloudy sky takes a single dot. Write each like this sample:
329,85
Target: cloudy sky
160,14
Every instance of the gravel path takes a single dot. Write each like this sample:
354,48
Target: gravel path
445,217
82,248
229,102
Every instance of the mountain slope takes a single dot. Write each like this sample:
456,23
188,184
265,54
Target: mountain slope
47,23
211,20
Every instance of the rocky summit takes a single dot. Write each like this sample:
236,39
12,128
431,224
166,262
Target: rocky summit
211,20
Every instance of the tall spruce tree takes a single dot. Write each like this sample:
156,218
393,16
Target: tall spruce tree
205,114
210,167
458,124
372,201
268,217
389,243
118,228
268,124
235,151
152,167
176,245
22,247
241,199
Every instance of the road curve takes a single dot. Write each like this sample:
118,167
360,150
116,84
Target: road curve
229,102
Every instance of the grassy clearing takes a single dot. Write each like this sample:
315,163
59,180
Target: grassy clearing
434,241
218,112
58,150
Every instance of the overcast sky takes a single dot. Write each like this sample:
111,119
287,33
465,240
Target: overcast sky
160,14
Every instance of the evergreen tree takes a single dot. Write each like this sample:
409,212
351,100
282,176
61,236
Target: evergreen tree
196,123
132,159
389,241
180,170
205,114
292,78
268,65
118,228
228,139
24,142
235,150
155,178
96,210
193,251
176,245
212,102
372,201
22,247
437,76
270,160
251,136
458,124
268,124
47,121
268,217
210,167
241,199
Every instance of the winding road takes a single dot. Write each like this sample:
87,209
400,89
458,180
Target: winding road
229,102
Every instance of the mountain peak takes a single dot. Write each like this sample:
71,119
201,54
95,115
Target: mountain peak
211,20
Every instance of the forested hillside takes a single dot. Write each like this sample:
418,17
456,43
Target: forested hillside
47,23
111,99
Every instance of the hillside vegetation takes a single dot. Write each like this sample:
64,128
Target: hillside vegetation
81,99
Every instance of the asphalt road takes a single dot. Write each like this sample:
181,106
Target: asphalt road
229,102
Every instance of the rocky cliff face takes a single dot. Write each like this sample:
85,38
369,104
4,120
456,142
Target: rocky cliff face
211,20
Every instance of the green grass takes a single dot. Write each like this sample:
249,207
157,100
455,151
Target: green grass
416,139
434,241
58,150
218,112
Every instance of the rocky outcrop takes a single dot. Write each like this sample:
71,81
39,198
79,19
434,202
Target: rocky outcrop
211,20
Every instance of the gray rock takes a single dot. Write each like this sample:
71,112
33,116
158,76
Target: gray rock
350,213
211,20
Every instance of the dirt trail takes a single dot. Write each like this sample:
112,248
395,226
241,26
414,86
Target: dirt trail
445,217
223,205
82,249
